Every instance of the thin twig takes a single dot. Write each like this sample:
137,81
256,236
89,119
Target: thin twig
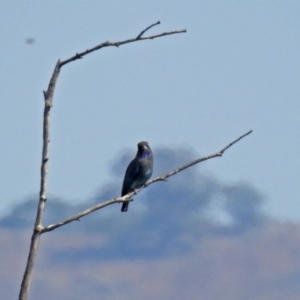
128,196
48,95
142,32
217,154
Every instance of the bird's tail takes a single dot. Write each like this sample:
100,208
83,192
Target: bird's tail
124,206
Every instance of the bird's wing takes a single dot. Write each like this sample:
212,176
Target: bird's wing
131,177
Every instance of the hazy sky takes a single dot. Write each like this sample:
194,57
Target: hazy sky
237,68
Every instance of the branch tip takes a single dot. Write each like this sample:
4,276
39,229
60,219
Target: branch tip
142,32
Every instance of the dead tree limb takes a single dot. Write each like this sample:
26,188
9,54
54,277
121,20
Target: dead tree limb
48,95
128,196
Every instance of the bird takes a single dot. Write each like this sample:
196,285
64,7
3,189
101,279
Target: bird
138,171
29,41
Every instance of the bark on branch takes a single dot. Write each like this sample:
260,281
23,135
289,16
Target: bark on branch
128,196
48,95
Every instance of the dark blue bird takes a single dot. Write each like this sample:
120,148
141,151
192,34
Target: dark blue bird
138,171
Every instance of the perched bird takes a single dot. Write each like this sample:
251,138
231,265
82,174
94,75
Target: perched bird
138,171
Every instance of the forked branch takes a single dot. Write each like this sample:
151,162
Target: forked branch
117,44
48,95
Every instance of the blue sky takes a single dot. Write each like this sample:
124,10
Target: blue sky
236,68
221,229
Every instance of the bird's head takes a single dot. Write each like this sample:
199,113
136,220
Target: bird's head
144,149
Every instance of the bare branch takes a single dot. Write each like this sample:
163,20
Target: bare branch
128,196
142,32
48,95
217,154
235,141
88,211
117,44
51,87
43,187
